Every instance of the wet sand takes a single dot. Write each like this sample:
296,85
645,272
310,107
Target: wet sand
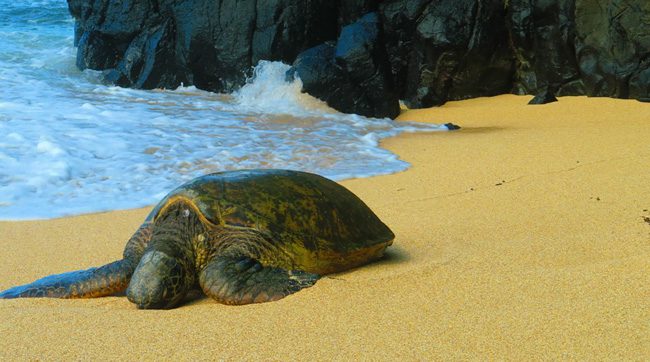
526,235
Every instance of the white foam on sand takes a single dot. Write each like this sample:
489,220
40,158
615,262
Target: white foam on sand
70,145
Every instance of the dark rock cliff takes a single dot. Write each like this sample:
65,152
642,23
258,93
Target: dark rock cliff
447,49
209,43
361,56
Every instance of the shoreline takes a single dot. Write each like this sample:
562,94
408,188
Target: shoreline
521,235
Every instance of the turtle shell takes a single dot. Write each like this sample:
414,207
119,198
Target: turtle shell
294,207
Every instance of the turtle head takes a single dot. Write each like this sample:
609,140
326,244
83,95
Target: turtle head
165,272
159,282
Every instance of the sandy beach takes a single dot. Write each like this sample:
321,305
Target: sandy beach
525,235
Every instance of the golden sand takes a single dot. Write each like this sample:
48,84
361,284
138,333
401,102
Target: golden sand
522,236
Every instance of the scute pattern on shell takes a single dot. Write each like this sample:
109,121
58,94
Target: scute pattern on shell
293,206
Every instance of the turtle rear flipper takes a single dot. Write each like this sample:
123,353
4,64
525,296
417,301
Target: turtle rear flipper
243,280
94,282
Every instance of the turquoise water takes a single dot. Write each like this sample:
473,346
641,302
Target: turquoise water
70,144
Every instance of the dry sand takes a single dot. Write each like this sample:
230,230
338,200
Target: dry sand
521,236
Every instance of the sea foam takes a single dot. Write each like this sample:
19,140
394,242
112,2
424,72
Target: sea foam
70,144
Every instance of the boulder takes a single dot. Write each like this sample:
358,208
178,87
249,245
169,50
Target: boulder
447,49
581,47
149,61
354,75
322,78
97,51
613,46
543,34
104,29
398,22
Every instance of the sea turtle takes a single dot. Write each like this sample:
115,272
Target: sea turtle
243,237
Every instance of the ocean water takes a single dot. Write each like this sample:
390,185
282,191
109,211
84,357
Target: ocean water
70,144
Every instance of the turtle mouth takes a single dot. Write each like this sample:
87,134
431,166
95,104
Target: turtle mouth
155,298
169,305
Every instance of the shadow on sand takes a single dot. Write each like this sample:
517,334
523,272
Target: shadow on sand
479,130
393,255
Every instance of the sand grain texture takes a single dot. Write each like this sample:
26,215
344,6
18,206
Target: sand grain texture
520,236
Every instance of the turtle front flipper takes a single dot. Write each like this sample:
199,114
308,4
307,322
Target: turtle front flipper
243,280
94,282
